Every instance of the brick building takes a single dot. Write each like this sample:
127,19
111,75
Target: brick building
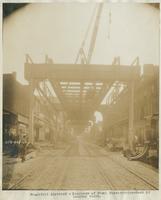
15,105
48,119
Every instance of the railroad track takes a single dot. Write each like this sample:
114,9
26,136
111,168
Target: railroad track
135,174
130,171
101,171
92,151
15,185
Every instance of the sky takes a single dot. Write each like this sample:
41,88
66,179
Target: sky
58,29
98,116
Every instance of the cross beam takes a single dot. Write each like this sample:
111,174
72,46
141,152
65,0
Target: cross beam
81,72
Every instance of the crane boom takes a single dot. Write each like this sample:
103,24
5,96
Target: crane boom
81,54
94,34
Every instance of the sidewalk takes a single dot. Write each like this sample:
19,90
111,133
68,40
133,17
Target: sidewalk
14,169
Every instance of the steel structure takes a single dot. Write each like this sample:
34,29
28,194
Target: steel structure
88,83
80,88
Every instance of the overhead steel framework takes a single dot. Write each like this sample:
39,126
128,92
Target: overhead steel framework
89,83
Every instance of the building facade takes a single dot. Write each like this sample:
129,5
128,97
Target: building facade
146,111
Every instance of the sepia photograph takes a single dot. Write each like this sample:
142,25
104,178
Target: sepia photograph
80,96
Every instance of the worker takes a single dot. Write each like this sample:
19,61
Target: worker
23,148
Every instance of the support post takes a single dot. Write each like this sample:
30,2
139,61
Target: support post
31,113
131,116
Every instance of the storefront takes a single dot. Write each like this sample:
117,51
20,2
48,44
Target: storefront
9,122
23,125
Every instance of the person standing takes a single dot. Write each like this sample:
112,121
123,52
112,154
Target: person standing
23,148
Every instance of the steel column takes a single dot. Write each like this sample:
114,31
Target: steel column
131,115
31,112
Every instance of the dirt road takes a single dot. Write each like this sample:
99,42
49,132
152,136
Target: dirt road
83,166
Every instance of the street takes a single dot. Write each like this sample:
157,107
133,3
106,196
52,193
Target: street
80,100
84,166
